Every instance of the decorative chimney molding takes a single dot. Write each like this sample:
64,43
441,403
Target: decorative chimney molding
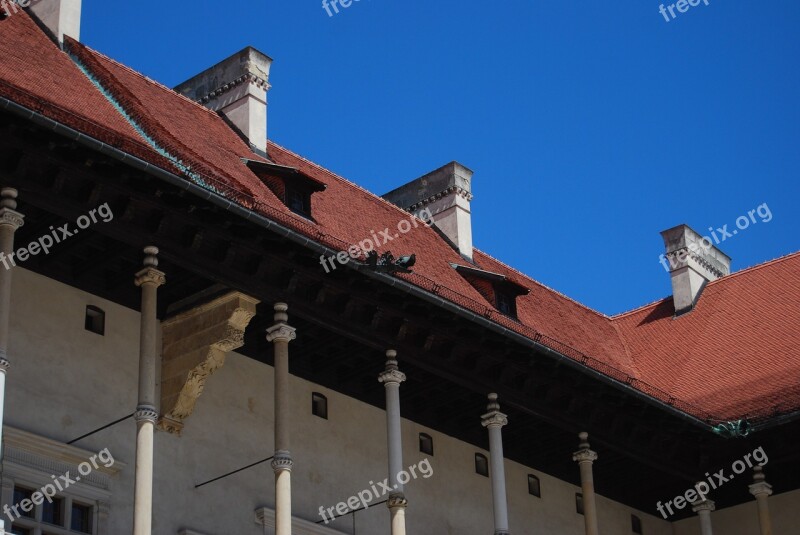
446,192
693,262
237,88
61,17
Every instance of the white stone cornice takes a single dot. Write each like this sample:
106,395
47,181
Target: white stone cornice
281,333
266,517
249,78
457,190
150,276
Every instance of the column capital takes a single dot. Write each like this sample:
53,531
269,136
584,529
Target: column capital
493,418
397,499
759,485
392,373
8,213
149,274
281,332
146,413
585,454
282,461
704,506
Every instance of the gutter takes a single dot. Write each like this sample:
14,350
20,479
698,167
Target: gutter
218,200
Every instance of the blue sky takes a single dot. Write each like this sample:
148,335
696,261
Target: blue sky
590,126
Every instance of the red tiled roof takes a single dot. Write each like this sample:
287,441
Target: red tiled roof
735,355
38,76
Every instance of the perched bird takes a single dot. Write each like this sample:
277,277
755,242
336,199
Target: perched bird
405,262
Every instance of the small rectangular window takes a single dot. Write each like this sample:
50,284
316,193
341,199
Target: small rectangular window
636,525
425,444
23,494
481,465
95,320
53,513
319,405
81,518
506,304
534,488
298,201
579,503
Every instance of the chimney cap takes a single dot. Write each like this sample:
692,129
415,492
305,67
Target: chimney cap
247,63
683,237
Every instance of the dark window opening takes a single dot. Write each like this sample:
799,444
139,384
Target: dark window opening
319,405
481,465
506,304
17,530
425,444
23,494
534,487
298,201
52,513
636,524
579,503
81,518
95,320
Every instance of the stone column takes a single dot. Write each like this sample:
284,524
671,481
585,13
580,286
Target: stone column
148,279
10,221
703,509
391,379
494,420
280,335
585,457
762,490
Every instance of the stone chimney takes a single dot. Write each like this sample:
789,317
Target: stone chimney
62,17
446,193
236,88
692,261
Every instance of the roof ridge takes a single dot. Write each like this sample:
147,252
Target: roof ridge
337,176
543,285
745,271
756,267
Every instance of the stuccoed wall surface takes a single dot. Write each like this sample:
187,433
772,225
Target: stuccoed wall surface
66,381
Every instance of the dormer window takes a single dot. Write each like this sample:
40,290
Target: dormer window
299,201
506,304
289,185
498,289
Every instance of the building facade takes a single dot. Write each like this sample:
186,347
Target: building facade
205,333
